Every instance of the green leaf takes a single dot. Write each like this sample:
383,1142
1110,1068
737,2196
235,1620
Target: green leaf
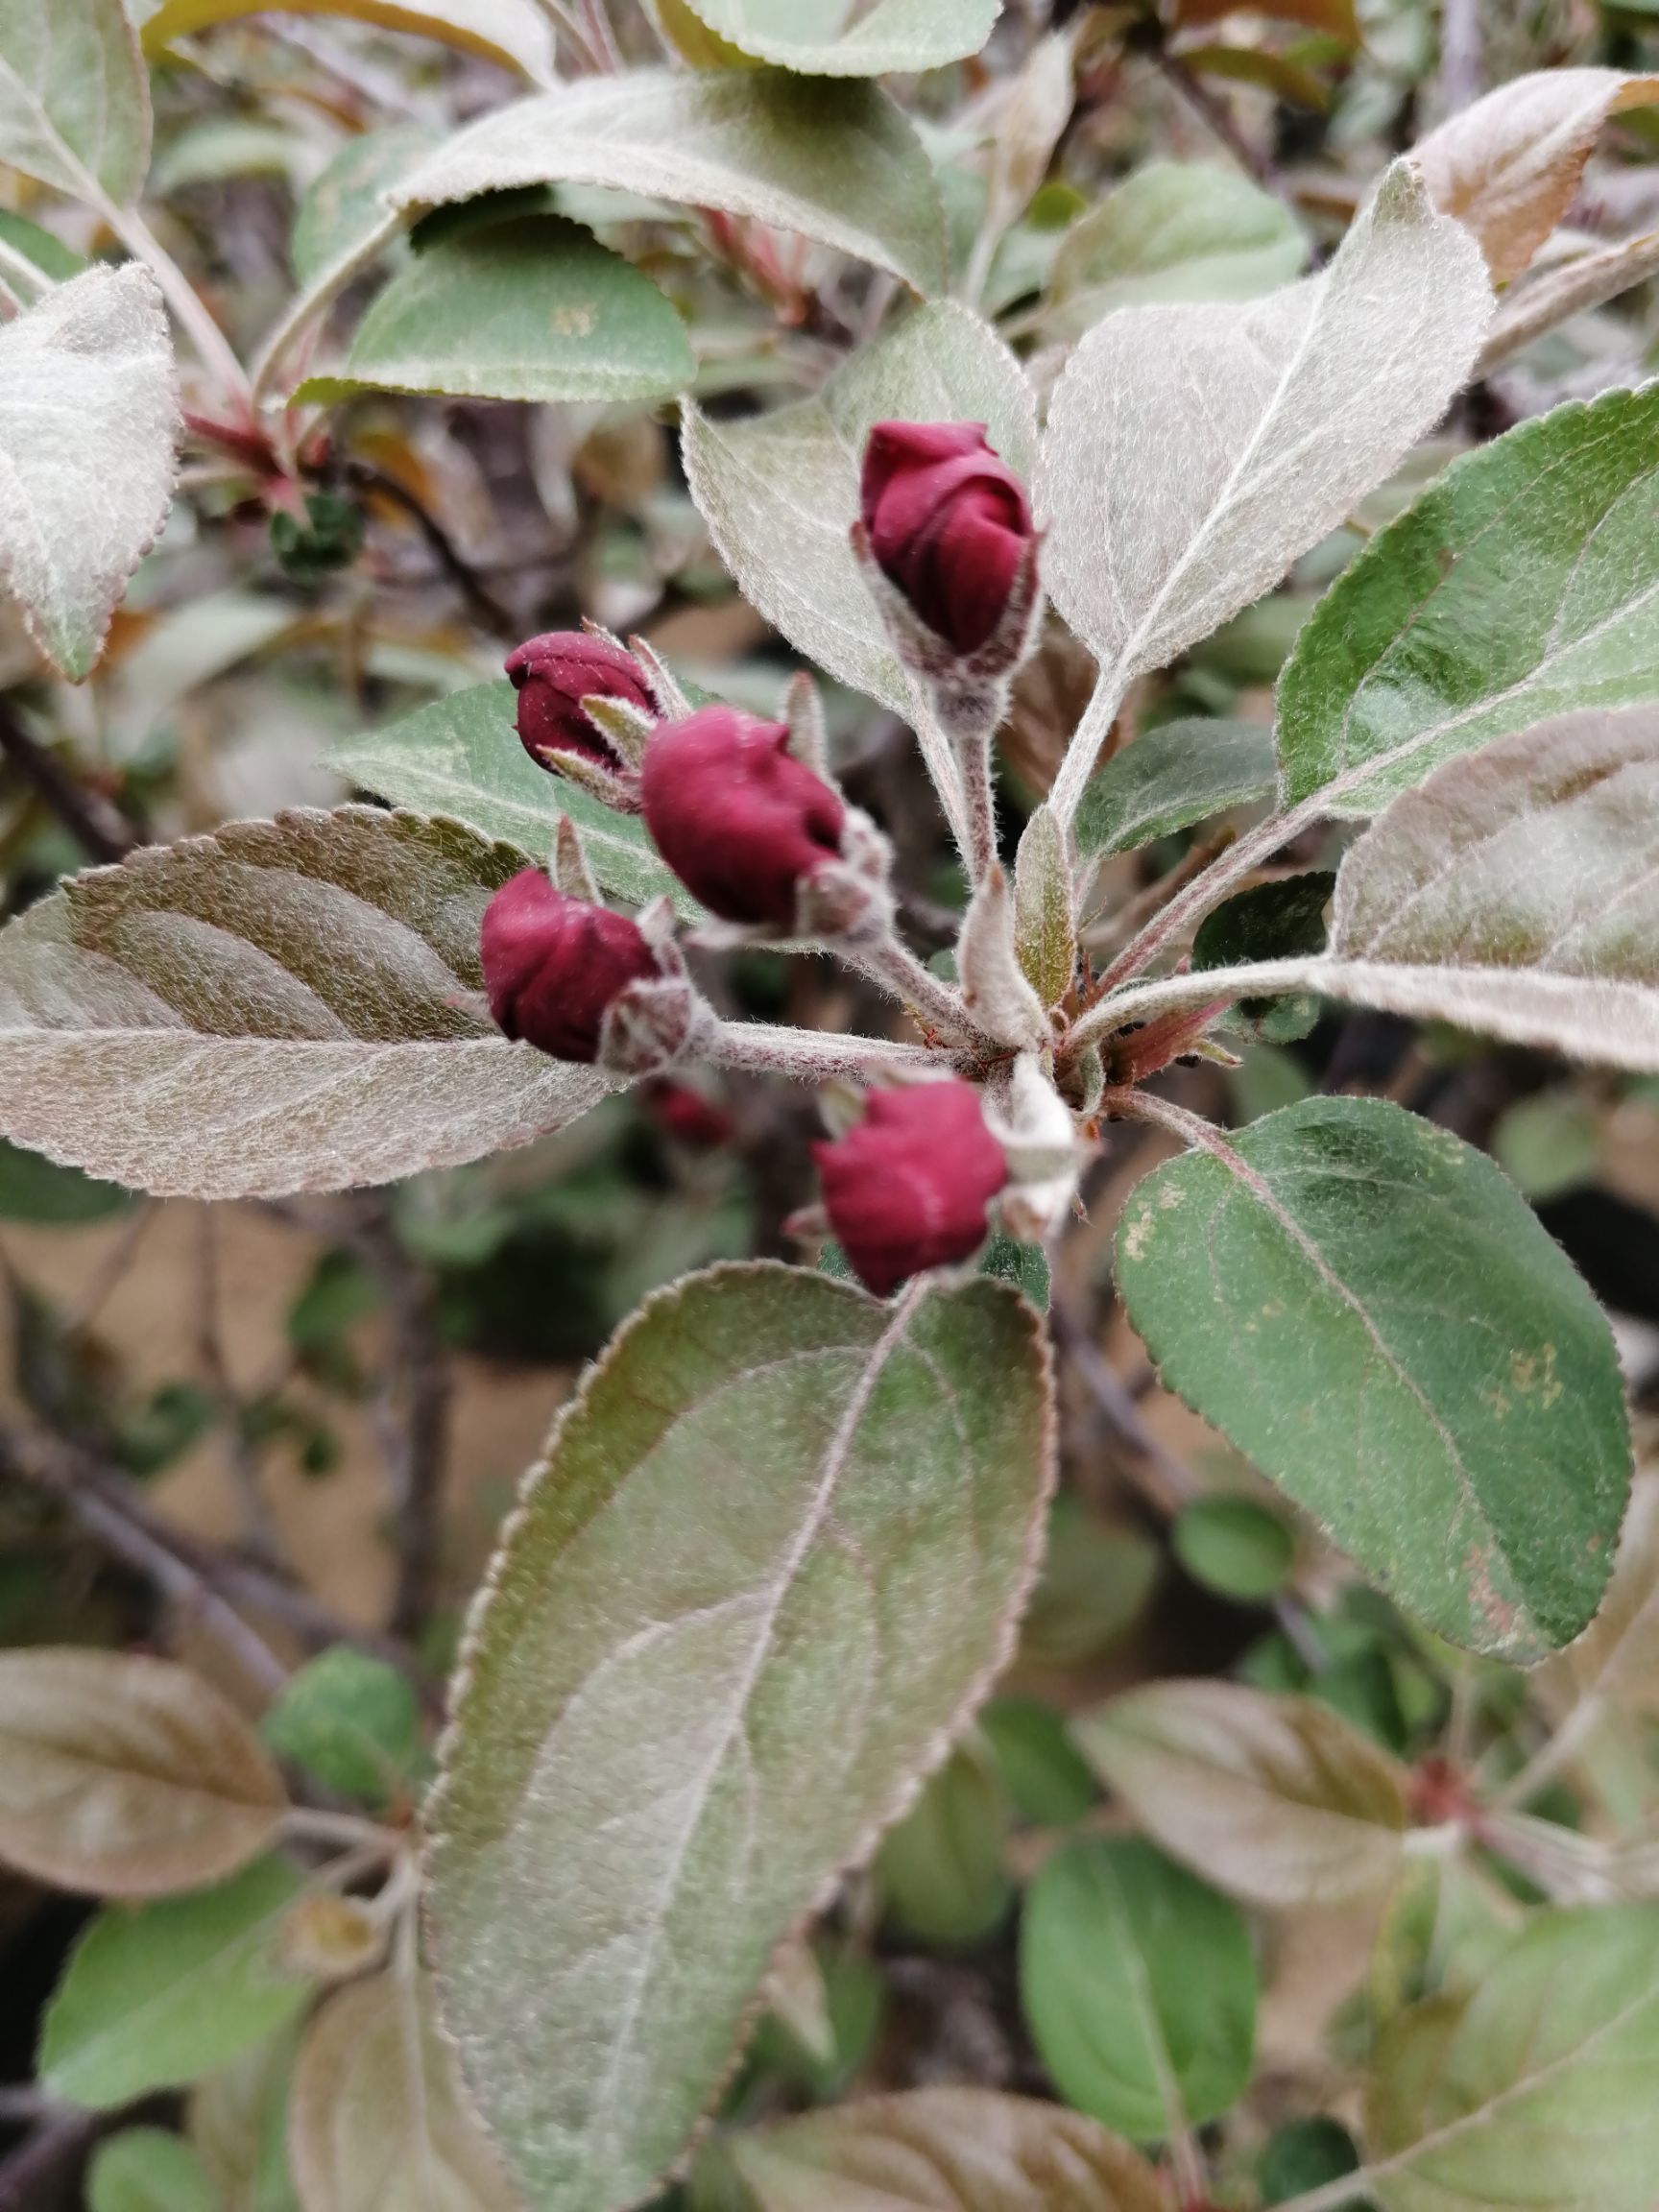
1525,584
238,2126
1536,2092
74,96
1304,2155
531,307
767,1570
1171,777
942,1867
1276,1800
839,164
1139,1988
344,207
1097,1579
460,757
160,1996
512,32
49,254
780,491
1234,1546
1174,231
351,1720
35,1189
88,419
147,2170
1548,1145
832,38
1041,1766
1044,937
1269,922
943,2151
1372,1314
280,1006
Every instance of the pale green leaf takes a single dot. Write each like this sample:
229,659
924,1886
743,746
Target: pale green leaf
281,1006
1235,1546
351,1722
126,1776
380,2118
527,308
1171,776
74,96
160,1996
1536,2094
1174,231
514,33
88,423
344,207
148,2170
1043,936
1139,1988
769,1569
780,491
942,1868
1276,1800
1098,1576
1194,452
839,164
1371,1312
1525,584
944,2151
840,38
460,757
238,2126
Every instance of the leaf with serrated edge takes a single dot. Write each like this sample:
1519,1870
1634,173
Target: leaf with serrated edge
816,38
74,98
1536,2095
127,1777
514,33
1276,1800
1369,1309
1524,584
89,429
1171,776
1139,1986
460,757
1510,165
1194,452
944,2151
528,309
281,1006
780,492
840,164
380,2118
769,1569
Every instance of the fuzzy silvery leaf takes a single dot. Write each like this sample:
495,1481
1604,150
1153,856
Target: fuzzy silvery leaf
1297,1284
1536,2093
839,39
88,429
1510,165
839,164
1276,1800
1194,452
780,491
532,308
285,1005
514,33
1524,584
765,1574
74,96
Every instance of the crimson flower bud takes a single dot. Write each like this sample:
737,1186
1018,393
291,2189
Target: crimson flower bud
949,525
739,820
910,1187
689,1116
554,964
553,674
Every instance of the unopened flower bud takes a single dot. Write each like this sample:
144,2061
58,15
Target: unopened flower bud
554,965
553,674
911,1187
949,525
740,820
690,1116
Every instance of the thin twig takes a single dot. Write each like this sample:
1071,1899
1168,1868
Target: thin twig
53,2145
1462,55
100,828
1120,1415
485,606
1218,115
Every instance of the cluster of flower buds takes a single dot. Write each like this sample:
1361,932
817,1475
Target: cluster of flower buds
910,1187
587,705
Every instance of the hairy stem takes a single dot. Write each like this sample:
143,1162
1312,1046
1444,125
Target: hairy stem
1144,1002
926,996
214,349
97,826
1084,749
807,1055
975,756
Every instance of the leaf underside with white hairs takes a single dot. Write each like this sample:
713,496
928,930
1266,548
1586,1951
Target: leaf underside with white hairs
816,38
837,163
780,491
74,96
89,429
285,1005
769,1567
1194,452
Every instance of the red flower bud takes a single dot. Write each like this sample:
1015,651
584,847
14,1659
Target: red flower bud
552,676
909,1188
689,1116
949,524
553,965
737,818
